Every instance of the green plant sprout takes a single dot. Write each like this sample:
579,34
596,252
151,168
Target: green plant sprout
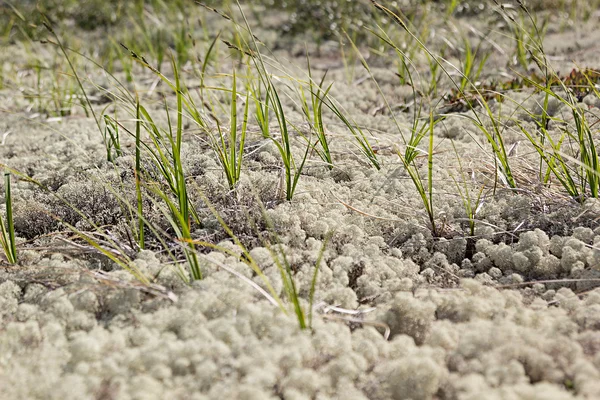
314,113
230,153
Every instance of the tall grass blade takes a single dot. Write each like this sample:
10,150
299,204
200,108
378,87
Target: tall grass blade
183,214
9,244
138,170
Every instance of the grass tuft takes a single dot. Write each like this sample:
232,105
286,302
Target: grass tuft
230,152
314,113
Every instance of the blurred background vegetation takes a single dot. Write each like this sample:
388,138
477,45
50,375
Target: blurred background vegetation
320,18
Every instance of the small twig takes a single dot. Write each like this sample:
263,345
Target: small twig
325,308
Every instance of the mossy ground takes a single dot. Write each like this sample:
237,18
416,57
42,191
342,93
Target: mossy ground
510,313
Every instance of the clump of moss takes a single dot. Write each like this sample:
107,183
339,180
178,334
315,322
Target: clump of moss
410,316
33,219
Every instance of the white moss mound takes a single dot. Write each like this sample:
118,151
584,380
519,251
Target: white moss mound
220,340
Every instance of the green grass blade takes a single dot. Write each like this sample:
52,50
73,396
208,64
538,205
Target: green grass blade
9,243
430,171
138,189
242,143
230,165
